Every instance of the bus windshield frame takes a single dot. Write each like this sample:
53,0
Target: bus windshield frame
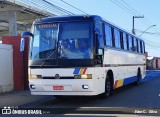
71,42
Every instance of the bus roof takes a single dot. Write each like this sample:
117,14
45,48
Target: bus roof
68,18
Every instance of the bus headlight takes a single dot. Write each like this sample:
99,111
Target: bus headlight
86,76
83,76
35,76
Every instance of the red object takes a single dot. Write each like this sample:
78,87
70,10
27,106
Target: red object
115,85
58,88
20,62
25,63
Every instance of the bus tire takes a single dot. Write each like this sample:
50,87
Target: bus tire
138,77
108,88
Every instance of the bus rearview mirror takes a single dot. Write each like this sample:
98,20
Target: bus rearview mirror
27,34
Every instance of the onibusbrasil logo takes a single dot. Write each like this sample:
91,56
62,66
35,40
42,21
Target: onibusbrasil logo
15,110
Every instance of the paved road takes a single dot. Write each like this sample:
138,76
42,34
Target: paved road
129,99
124,100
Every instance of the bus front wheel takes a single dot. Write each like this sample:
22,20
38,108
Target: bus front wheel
108,88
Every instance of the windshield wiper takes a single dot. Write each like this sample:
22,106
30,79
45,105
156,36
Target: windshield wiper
53,51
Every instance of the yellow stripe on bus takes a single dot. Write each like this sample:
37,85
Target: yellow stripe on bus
120,83
81,71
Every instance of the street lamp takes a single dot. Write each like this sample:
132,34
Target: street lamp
133,30
146,30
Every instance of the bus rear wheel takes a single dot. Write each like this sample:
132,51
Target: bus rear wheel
138,77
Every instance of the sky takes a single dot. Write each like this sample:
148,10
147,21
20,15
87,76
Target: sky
120,13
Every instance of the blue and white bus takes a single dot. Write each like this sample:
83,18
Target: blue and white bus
83,55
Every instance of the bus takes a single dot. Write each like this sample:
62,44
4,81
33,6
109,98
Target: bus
82,56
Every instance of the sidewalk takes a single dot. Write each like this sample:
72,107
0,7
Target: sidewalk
17,98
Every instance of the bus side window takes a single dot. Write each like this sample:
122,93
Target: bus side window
141,48
130,43
125,41
108,35
121,40
113,37
99,34
117,38
135,45
101,42
133,49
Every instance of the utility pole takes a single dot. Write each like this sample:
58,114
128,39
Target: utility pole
133,30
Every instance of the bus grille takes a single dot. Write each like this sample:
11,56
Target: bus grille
59,78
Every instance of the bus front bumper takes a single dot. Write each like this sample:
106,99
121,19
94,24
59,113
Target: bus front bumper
62,87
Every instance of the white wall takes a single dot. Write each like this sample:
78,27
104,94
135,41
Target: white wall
6,68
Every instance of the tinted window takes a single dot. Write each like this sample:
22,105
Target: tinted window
113,38
130,43
101,42
108,35
141,49
125,41
121,40
135,44
117,38
75,40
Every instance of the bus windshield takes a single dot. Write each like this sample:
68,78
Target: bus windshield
67,40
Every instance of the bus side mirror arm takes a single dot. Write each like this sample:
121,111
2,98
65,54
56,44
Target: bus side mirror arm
98,59
26,34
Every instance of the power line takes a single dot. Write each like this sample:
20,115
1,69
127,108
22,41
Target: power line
59,8
145,19
138,13
151,33
121,7
74,7
62,5
125,8
131,8
45,6
157,47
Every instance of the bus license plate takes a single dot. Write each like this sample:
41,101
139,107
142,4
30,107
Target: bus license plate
58,88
